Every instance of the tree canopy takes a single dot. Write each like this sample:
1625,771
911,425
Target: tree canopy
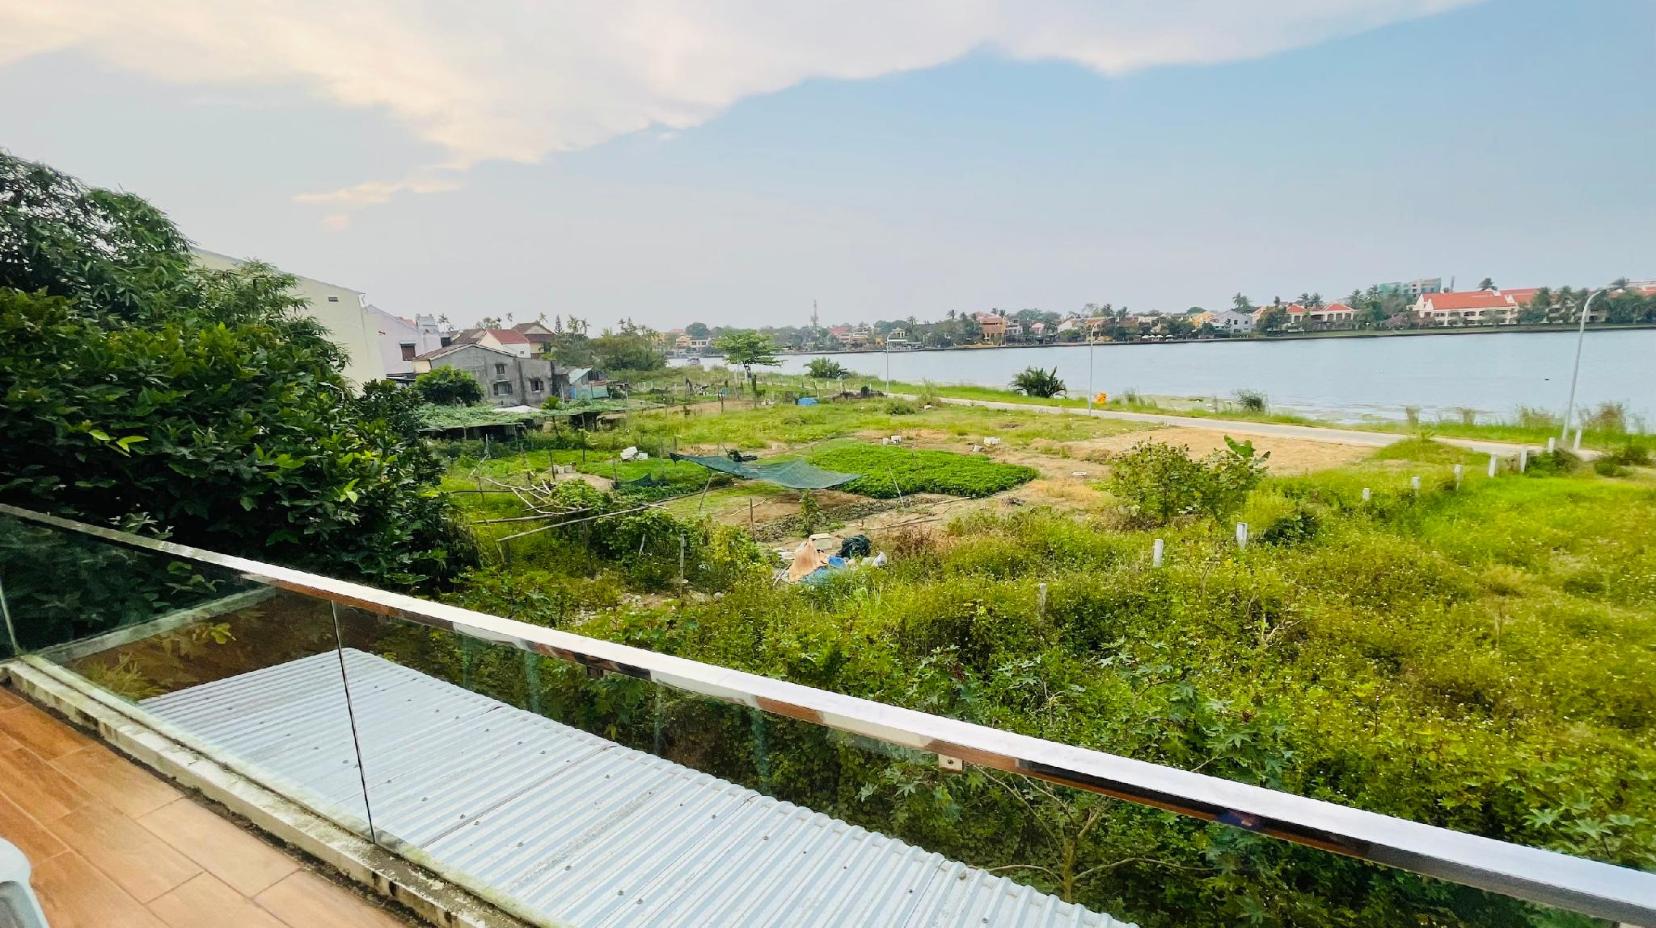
748,349
143,389
448,386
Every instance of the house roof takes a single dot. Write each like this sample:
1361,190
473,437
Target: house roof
436,353
1522,295
1468,299
1338,308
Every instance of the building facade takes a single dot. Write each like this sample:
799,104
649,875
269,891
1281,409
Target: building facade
506,378
342,311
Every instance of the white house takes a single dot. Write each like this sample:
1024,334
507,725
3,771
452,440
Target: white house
402,340
341,310
1228,320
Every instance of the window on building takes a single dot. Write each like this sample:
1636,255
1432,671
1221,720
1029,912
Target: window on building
500,370
536,384
445,341
333,299
408,351
502,388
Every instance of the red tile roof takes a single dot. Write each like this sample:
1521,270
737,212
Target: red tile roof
1338,308
1469,299
509,337
1522,295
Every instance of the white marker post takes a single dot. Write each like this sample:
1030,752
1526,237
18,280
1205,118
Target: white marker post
1460,472
1414,484
1494,464
1552,444
1523,460
1241,534
1366,494
1156,553
1040,600
1577,445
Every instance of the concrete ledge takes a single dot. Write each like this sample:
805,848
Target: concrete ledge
117,724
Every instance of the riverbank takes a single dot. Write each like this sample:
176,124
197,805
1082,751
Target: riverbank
1542,328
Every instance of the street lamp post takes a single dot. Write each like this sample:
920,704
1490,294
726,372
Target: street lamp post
1090,392
888,366
1575,374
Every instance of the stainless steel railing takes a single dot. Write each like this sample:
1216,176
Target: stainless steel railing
1573,883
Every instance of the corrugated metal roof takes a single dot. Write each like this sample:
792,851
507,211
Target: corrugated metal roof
574,828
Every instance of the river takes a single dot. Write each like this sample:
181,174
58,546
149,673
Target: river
1349,379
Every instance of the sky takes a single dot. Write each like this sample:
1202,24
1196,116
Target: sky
732,161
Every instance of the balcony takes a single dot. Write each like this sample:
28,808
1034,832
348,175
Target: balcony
112,844
484,771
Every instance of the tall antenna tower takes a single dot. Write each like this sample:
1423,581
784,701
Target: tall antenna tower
813,314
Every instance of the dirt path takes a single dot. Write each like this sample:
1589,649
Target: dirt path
1241,428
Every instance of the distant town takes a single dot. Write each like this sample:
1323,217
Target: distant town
1382,308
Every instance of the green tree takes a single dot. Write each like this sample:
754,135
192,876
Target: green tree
448,386
1241,304
143,389
696,330
1486,284
749,350
632,351
1272,319
1032,381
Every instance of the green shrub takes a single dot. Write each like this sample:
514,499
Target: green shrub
826,369
1158,483
1252,401
1032,381
448,386
900,408
887,472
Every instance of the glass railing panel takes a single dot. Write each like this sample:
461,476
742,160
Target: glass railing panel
244,673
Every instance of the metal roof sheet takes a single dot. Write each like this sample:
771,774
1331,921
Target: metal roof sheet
570,827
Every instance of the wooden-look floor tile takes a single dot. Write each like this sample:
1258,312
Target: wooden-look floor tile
111,779
219,846
41,733
76,895
305,900
35,840
125,851
38,787
8,698
205,902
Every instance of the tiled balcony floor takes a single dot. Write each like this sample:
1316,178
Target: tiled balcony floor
112,845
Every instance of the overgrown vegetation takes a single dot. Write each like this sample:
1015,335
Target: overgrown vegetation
1159,482
448,386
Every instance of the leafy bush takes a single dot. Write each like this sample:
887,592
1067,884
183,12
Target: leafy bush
448,386
826,369
900,408
887,472
1632,453
1033,381
1158,483
1252,401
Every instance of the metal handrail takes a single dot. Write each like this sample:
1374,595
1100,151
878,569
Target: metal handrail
1577,884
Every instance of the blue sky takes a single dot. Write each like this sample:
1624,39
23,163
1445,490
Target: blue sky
1513,139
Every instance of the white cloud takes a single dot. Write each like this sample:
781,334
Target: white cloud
517,80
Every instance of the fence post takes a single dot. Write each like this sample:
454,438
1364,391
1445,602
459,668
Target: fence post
1156,553
1414,484
1040,600
1241,535
1577,445
681,560
1460,472
1523,460
1494,462
1367,494
1552,444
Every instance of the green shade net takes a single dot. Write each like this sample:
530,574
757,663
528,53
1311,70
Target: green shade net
795,475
